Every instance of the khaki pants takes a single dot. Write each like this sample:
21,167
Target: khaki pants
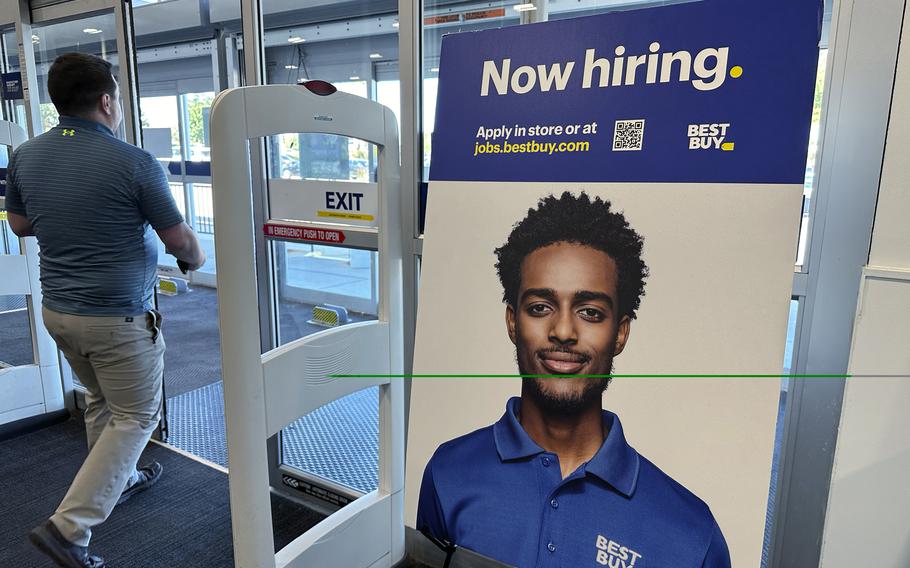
120,361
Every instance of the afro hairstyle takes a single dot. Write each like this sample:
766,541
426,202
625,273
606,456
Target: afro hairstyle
577,220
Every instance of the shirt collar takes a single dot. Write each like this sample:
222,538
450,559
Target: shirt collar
73,122
616,462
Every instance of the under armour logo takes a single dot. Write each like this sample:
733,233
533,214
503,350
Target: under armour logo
69,132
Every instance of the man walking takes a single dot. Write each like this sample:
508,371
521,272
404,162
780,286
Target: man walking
92,201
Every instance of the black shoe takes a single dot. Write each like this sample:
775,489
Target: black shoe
149,474
49,541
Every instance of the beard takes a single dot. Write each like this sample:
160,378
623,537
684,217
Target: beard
565,404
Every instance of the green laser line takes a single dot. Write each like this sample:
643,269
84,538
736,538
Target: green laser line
671,376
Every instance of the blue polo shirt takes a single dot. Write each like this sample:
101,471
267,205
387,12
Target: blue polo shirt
93,201
498,493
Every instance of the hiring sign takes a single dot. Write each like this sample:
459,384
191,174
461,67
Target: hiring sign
12,86
632,182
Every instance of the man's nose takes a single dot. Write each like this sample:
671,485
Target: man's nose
563,328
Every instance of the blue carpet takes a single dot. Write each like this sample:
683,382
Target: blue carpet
15,332
184,521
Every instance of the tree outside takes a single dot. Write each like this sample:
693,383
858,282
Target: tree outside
49,116
198,106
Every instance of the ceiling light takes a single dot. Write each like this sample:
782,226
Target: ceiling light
524,7
354,78
290,67
434,69
296,39
375,56
92,31
395,24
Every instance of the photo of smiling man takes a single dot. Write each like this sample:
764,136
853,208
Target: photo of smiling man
554,482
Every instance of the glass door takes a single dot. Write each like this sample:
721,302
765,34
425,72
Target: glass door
95,34
16,347
20,375
29,372
13,107
178,79
331,453
175,128
99,28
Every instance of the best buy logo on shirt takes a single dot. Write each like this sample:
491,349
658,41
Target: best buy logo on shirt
613,554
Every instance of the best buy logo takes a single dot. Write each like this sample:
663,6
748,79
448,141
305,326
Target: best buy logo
711,136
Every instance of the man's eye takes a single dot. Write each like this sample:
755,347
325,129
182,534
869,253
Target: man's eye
538,309
591,314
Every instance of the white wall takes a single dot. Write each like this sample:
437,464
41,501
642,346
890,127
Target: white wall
868,518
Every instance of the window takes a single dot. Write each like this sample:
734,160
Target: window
96,35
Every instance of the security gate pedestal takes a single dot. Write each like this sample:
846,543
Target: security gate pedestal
266,392
34,389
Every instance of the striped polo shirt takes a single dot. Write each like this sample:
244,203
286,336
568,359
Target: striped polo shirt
93,201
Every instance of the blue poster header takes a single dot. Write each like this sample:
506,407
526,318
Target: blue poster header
11,84
717,91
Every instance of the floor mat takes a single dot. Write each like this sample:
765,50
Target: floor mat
183,521
15,336
339,441
193,356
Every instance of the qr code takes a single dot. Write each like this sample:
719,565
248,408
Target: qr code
628,135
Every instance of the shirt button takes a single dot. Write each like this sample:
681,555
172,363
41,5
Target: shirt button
545,461
551,547
554,503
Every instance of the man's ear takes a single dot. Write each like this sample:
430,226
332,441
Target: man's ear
622,334
107,104
510,322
